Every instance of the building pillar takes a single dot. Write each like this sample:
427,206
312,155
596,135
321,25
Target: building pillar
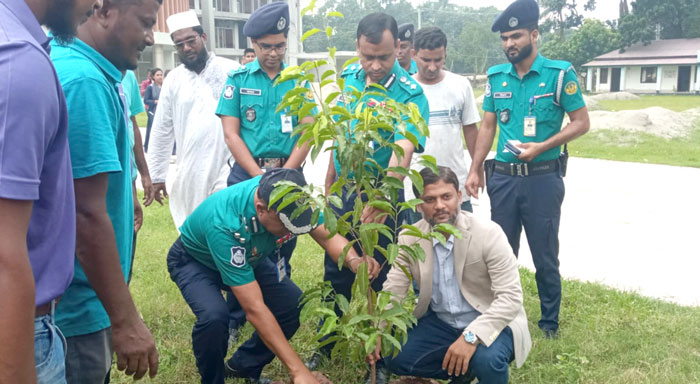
589,79
697,74
597,80
623,70
208,23
659,77
158,61
293,38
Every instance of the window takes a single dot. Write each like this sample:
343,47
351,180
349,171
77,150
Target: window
603,75
195,4
224,33
648,75
223,5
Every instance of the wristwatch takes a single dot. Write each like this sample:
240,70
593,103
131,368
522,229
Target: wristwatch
470,337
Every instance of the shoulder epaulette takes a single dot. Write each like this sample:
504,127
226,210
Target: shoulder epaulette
559,64
237,71
350,69
410,85
500,68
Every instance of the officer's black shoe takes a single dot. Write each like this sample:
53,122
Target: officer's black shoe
382,374
315,360
229,373
464,379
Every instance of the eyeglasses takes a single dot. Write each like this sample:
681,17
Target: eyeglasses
189,42
267,48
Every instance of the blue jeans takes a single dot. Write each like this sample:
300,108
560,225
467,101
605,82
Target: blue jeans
533,202
201,287
49,351
427,345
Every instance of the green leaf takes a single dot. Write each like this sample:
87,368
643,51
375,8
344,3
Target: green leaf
428,161
309,7
344,253
334,14
278,193
330,221
417,181
343,303
381,204
309,33
392,250
371,343
359,318
329,31
448,228
362,278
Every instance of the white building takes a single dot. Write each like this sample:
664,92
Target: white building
663,66
222,21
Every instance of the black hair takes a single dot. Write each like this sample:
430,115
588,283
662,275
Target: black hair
155,70
198,29
429,38
248,50
444,174
373,26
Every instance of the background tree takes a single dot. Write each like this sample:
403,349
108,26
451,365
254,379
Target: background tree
594,38
561,15
676,19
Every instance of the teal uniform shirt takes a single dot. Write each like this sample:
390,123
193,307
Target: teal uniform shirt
413,69
224,234
252,97
99,143
401,87
513,99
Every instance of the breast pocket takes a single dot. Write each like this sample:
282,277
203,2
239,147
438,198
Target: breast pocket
545,109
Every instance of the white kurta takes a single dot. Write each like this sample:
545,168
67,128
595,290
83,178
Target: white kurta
186,116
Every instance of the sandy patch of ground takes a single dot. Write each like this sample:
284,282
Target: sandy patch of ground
614,96
654,120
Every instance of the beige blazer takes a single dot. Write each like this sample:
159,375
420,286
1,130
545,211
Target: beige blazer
490,281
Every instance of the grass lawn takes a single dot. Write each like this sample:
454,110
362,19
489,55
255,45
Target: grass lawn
606,336
676,103
142,119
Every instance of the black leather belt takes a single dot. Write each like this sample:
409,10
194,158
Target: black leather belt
526,169
271,162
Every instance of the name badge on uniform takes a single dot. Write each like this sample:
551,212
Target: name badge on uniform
502,95
281,270
530,126
287,126
250,91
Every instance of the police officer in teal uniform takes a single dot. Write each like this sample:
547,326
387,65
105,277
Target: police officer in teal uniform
405,53
527,99
259,137
377,41
224,245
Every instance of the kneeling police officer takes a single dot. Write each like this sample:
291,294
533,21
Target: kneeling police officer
225,244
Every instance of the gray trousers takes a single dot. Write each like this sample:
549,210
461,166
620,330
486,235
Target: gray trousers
89,358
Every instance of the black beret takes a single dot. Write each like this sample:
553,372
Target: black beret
406,32
270,19
520,14
298,225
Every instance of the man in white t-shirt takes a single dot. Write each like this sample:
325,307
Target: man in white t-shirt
453,109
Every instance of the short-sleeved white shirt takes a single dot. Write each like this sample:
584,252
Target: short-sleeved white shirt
452,105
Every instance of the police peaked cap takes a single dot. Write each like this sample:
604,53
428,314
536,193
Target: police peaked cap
270,19
406,32
297,225
520,14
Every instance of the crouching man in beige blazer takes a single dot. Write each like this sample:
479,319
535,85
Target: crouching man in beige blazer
471,321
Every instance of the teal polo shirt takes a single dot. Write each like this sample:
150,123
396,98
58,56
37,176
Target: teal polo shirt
134,104
512,99
224,234
99,143
402,88
252,97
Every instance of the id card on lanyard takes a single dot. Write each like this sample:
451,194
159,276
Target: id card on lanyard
530,122
281,269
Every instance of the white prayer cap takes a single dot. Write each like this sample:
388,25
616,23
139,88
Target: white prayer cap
182,20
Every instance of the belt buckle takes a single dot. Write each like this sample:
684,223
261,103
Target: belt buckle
272,162
522,169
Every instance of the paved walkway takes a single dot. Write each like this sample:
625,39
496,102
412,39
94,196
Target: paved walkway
630,226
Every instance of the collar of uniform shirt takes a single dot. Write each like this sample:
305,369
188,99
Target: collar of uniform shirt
536,66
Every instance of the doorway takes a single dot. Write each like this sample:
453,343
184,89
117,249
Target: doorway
683,78
615,80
